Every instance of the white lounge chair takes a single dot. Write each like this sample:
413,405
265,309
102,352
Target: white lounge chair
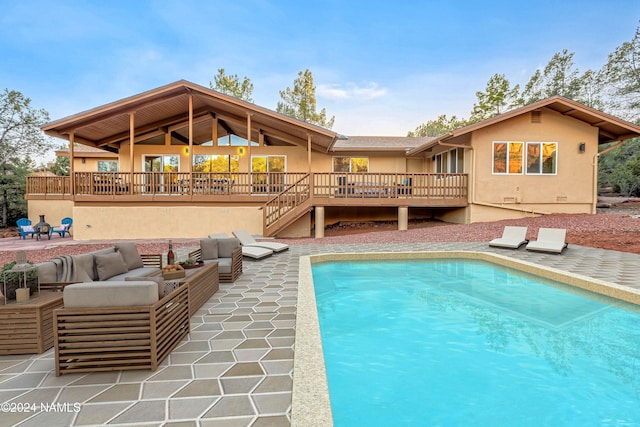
549,240
247,239
512,237
254,252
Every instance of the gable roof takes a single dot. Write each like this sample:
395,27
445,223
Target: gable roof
378,143
610,128
80,150
166,109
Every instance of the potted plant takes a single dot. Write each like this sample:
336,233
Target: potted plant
16,279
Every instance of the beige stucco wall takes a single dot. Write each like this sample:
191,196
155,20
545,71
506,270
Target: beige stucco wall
104,222
53,210
570,190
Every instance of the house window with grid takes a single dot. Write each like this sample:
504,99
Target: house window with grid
451,161
507,157
542,158
350,164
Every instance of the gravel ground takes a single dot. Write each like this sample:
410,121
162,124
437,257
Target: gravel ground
616,228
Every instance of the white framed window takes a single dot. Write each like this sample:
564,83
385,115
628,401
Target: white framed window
107,166
507,157
451,161
350,164
542,158
216,163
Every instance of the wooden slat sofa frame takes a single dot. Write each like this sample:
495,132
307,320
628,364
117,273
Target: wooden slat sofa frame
236,264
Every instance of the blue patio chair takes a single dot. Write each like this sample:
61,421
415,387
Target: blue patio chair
63,229
25,227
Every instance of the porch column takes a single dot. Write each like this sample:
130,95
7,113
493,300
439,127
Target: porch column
190,166
309,153
249,144
132,137
214,131
72,185
403,218
319,211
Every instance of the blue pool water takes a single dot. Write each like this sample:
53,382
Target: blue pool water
462,342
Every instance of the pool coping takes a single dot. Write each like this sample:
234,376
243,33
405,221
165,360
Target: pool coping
311,404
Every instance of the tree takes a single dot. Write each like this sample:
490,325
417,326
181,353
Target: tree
623,75
440,126
559,77
231,85
300,102
20,137
13,183
592,89
499,96
61,166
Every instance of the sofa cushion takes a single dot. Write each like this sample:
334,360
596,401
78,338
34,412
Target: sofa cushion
90,263
108,265
110,294
47,272
158,279
130,254
136,272
227,246
209,249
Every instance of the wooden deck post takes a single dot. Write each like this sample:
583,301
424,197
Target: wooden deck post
319,222
403,218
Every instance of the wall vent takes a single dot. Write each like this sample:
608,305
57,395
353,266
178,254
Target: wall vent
536,116
511,199
562,199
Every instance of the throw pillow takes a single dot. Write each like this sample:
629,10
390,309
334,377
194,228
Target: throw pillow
27,228
108,265
209,249
227,246
130,255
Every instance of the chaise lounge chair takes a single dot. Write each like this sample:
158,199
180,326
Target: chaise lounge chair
254,252
549,240
512,238
247,240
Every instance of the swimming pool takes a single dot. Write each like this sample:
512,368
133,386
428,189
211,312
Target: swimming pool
475,344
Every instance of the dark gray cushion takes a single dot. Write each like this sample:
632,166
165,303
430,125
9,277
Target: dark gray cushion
108,265
209,248
227,246
130,254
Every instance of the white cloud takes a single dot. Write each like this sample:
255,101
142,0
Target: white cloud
351,91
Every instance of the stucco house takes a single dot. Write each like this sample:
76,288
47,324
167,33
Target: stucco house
192,161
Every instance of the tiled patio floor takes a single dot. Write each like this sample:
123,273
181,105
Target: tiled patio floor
236,366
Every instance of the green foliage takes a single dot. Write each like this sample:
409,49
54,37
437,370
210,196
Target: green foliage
300,102
231,85
440,126
498,97
620,169
13,182
20,137
61,166
623,75
559,77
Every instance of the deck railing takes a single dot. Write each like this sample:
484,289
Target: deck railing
229,184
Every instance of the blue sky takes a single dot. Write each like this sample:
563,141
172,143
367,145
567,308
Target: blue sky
382,68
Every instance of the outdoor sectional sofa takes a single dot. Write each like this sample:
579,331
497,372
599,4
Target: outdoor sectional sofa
110,264
135,323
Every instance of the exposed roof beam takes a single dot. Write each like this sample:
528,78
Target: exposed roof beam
225,126
163,125
180,138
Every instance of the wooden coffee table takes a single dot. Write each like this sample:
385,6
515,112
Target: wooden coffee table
27,327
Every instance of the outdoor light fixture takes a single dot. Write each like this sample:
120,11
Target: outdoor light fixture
582,147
